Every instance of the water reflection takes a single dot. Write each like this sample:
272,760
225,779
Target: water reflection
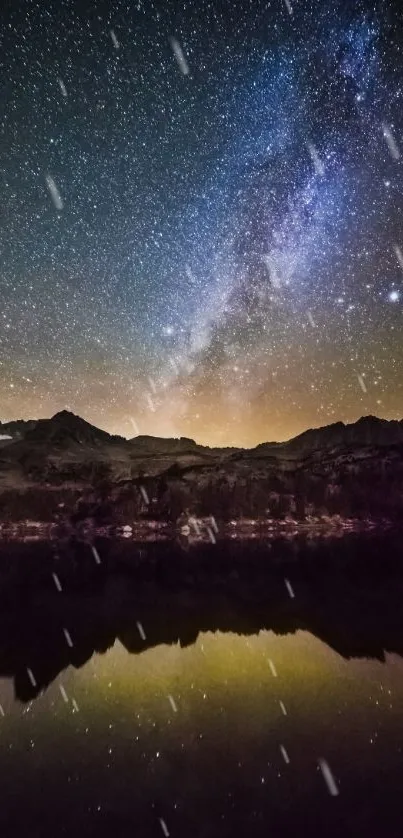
355,609
178,700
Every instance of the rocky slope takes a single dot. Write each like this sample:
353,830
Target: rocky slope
341,469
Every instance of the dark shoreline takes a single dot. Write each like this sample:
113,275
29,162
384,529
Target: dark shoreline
191,530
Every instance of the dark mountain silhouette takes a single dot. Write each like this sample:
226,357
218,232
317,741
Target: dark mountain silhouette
156,444
18,428
348,470
65,425
369,430
64,428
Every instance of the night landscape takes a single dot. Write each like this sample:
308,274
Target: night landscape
201,419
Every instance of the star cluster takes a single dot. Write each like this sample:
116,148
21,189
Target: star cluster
201,215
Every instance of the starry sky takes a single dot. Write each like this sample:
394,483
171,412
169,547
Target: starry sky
201,215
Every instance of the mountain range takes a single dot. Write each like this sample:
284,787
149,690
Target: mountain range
345,469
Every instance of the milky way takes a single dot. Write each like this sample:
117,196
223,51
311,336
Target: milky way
201,215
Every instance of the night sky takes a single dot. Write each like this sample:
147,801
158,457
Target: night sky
201,215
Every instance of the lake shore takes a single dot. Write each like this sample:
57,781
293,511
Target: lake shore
191,530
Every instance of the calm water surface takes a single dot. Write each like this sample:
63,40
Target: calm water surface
172,726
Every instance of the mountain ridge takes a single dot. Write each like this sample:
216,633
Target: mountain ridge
349,470
367,429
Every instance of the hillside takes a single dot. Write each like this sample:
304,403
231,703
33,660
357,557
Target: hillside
354,469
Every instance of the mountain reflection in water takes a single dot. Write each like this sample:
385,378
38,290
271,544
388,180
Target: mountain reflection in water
207,705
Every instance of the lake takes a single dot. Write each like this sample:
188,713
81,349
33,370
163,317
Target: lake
267,702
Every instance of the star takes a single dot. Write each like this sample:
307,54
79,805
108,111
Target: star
178,193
